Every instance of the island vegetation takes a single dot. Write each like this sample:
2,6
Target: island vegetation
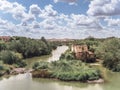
66,70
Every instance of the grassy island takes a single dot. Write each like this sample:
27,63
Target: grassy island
66,70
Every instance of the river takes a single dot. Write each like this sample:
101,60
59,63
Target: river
26,82
49,58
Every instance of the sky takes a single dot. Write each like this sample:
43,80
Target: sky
75,19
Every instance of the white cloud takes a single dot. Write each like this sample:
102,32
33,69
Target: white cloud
104,8
29,18
113,22
35,25
2,22
23,24
48,12
16,9
52,24
71,2
51,30
7,28
35,9
48,24
5,5
84,21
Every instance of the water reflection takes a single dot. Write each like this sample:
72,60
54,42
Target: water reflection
25,82
18,82
58,85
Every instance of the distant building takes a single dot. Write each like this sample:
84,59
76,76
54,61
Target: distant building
81,52
5,38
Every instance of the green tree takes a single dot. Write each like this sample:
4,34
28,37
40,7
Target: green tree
10,57
111,54
3,46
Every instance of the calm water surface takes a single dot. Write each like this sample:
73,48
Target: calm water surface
26,82
53,57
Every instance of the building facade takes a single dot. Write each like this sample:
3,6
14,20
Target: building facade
82,52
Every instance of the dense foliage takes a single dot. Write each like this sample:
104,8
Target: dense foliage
109,51
91,42
3,46
28,47
17,48
68,55
72,70
10,57
4,69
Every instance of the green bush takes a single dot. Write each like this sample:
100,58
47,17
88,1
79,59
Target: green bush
4,69
3,46
1,67
7,57
112,54
10,57
68,55
68,70
40,65
30,47
21,63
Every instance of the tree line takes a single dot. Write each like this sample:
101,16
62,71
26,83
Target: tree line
17,48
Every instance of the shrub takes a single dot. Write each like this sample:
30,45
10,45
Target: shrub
4,69
10,57
112,54
67,70
67,55
40,65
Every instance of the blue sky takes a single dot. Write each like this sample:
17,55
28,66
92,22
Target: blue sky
60,18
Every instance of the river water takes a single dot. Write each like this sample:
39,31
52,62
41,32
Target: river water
26,82
49,58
